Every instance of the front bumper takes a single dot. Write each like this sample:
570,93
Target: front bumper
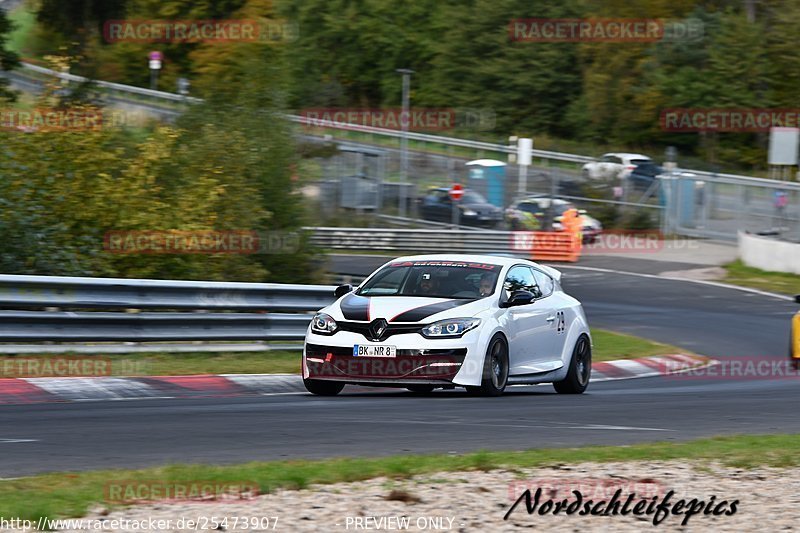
409,367
418,361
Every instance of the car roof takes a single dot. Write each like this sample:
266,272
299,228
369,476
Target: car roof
471,258
547,198
445,189
628,155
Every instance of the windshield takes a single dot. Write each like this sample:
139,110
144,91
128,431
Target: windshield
473,198
433,279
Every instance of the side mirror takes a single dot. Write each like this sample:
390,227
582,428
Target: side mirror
797,298
520,297
341,290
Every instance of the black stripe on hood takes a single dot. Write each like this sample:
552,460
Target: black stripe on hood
355,307
421,313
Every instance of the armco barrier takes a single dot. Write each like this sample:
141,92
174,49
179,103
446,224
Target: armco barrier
71,309
545,246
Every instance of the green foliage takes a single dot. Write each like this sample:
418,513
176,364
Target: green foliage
597,93
8,59
227,165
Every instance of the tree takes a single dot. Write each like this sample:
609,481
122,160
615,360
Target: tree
8,59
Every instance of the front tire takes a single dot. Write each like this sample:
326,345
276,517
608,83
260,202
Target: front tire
495,369
580,369
323,388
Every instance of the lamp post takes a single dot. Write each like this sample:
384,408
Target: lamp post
404,139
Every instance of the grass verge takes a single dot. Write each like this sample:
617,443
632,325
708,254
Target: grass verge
607,346
737,273
70,495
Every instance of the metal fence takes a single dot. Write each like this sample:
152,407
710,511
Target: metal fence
722,207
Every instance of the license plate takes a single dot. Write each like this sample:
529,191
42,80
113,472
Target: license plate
379,350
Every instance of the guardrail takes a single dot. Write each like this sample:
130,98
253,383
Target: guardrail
82,309
538,245
116,293
414,240
141,91
72,309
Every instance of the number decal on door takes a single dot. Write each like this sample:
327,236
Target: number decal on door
562,324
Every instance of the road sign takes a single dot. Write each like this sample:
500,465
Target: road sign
524,151
155,60
456,192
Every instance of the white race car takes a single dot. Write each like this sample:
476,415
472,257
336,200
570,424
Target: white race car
428,321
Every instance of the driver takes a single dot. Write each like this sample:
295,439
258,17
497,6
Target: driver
427,285
487,284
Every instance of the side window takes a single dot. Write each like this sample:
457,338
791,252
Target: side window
442,197
617,160
520,278
545,282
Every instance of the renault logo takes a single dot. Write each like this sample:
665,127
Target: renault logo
377,327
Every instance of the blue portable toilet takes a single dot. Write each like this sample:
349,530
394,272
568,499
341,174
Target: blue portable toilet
488,177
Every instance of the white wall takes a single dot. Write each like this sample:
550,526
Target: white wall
769,254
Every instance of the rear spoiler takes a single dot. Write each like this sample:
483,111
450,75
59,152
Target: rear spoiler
555,274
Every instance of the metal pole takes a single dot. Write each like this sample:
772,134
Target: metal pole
404,139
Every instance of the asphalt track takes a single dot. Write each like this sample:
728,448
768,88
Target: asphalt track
719,322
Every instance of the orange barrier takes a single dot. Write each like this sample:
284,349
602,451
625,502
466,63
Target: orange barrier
553,245
548,245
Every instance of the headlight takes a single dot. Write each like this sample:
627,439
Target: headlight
323,324
469,213
450,328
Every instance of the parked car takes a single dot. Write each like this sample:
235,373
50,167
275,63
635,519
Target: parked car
613,165
475,209
443,321
644,174
531,214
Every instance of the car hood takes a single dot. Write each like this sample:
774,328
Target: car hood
404,308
